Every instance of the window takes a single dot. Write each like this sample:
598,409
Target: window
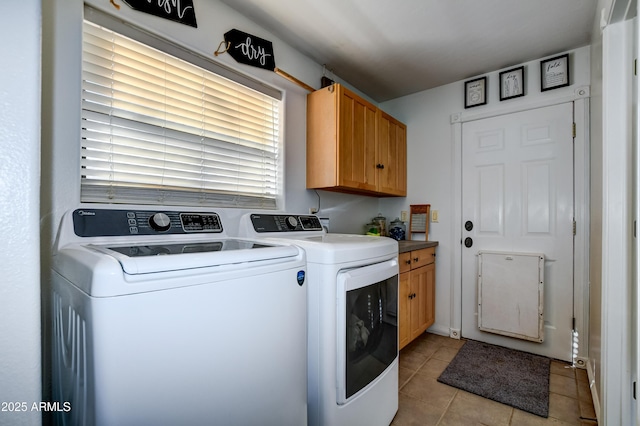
158,129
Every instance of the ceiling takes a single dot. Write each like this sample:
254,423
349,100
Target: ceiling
388,49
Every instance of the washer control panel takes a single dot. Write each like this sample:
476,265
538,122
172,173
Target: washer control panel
285,223
111,223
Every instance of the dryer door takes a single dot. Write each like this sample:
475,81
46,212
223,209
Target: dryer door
367,326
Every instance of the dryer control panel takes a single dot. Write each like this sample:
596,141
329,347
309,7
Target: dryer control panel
285,223
112,223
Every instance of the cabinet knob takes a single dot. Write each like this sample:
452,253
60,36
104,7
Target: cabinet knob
408,262
379,166
415,259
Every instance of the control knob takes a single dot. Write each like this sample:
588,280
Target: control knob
292,222
160,222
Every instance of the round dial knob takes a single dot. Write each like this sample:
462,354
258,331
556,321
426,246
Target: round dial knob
291,222
160,222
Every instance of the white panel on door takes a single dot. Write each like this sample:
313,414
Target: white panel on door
492,140
536,135
538,201
511,294
491,199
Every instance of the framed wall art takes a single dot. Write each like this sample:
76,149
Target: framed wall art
475,93
554,72
512,83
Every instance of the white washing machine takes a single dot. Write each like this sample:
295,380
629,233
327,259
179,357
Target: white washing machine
160,318
353,328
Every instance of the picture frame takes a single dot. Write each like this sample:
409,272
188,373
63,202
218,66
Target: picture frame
475,92
512,83
554,72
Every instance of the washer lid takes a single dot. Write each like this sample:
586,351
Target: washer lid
335,249
171,256
342,248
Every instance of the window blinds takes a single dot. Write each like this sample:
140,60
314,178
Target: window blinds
159,130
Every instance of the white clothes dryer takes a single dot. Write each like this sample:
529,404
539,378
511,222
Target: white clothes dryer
161,318
352,308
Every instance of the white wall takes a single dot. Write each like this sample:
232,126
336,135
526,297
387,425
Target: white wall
611,313
617,290
595,232
431,161
20,374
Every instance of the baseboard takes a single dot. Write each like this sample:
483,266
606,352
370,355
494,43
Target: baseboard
438,329
594,389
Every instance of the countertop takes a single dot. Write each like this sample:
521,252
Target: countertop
405,246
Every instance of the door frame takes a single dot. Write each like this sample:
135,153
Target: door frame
580,99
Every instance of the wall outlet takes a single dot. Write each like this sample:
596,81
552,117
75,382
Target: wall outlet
313,210
403,215
434,216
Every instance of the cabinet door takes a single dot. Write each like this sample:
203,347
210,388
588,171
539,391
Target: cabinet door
392,155
401,158
404,317
357,142
419,314
430,293
322,134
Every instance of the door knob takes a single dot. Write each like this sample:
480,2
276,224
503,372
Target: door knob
468,242
468,225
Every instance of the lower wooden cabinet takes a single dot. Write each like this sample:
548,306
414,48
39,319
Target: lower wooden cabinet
416,293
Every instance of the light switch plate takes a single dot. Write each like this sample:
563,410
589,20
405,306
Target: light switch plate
434,215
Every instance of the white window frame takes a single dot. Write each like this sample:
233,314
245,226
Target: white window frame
158,194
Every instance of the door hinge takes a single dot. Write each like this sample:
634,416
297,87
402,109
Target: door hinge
575,226
634,390
573,323
574,130
635,67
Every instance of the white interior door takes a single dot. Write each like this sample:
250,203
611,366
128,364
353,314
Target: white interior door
517,193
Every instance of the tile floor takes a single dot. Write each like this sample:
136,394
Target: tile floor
424,401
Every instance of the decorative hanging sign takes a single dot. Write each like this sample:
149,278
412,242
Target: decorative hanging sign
181,11
255,51
250,50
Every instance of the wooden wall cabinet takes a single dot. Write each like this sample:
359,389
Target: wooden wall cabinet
392,155
416,293
352,146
